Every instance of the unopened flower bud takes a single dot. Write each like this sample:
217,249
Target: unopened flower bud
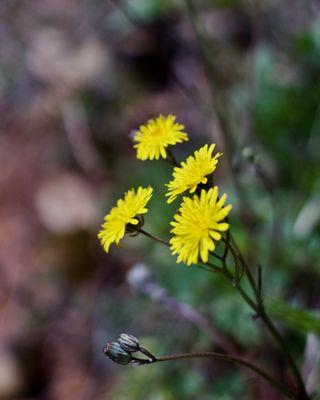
116,353
129,343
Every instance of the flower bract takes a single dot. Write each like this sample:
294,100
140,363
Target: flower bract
193,171
198,225
125,213
116,353
156,135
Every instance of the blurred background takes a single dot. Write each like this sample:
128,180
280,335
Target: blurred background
76,78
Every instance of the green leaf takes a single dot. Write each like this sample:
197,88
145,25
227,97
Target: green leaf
297,318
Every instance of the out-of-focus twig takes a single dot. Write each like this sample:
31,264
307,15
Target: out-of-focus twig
78,134
140,280
275,212
311,363
313,141
209,70
220,107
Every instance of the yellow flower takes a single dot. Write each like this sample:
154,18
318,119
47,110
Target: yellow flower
198,225
192,172
124,213
153,138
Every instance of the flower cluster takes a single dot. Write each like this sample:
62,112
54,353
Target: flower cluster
200,220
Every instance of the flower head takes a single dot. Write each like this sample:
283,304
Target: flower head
157,134
198,225
116,353
129,343
192,172
123,215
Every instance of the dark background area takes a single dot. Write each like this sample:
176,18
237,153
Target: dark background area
76,77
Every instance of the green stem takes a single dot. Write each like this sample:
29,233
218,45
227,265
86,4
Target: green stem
236,253
171,158
218,356
154,237
242,293
213,268
295,370
216,256
259,309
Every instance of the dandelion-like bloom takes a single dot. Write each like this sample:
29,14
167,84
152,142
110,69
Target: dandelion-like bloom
198,225
123,214
192,172
157,134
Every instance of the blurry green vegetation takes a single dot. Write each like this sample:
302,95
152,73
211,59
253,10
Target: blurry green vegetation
299,319
149,10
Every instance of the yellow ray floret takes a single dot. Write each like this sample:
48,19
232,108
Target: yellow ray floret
125,212
157,134
192,172
198,225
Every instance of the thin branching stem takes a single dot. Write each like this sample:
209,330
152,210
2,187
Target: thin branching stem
212,268
171,158
216,256
259,309
257,306
225,357
156,238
